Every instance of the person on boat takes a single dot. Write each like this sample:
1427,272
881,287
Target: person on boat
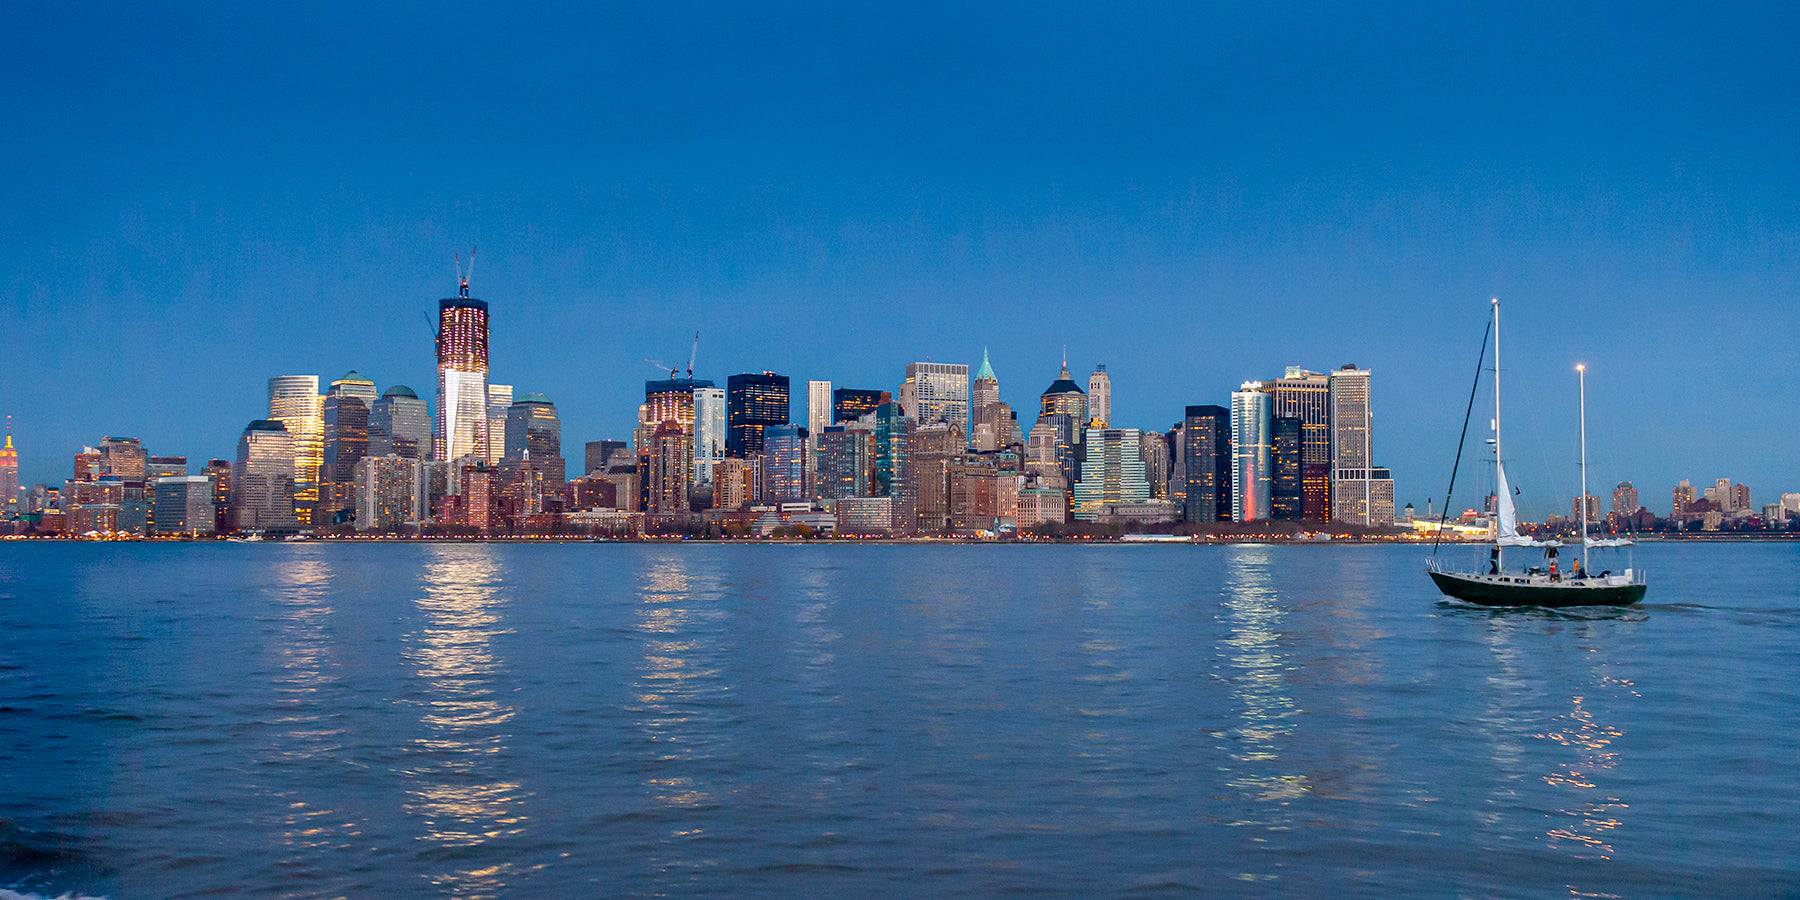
1551,555
1575,569
1493,560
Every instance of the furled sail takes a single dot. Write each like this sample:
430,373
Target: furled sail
1507,533
1608,542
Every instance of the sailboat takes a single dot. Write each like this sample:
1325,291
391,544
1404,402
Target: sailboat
1538,585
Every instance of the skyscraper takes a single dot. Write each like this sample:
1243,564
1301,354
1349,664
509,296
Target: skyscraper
709,431
1249,454
1099,394
1352,475
499,400
347,406
534,431
262,479
818,416
1112,473
462,389
1206,464
942,393
785,462
184,505
9,479
295,402
1286,498
984,390
753,401
849,404
400,425
1306,395
1624,499
843,455
671,464
1065,398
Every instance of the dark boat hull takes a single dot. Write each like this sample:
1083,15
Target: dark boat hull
1486,592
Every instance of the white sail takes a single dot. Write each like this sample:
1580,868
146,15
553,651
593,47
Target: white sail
1506,533
1608,542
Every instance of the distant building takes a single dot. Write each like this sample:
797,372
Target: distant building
1206,464
1306,396
709,431
1064,397
1099,397
1286,498
347,407
9,479
462,388
534,432
598,453
1250,454
499,400
785,462
1154,451
1112,473
184,505
1353,498
1624,499
737,483
844,462
295,402
850,404
984,392
753,401
942,393
262,479
400,424
390,493
670,479
864,515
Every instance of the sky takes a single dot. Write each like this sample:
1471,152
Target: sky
200,196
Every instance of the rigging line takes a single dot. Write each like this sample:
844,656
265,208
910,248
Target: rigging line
1445,513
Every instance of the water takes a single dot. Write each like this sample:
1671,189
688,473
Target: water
479,720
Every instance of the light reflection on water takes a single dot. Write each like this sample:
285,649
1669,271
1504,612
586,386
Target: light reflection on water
309,730
1253,614
451,790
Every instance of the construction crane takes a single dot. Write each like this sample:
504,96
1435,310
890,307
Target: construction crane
660,365
692,354
462,278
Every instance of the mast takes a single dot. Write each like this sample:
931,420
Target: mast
1581,374
1499,551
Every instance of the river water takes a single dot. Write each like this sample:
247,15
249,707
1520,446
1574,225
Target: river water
487,720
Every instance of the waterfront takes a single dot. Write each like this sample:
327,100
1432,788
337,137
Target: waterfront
572,719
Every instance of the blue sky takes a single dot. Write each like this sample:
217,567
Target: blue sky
201,196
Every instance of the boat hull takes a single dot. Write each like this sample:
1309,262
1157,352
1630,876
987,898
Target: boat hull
1487,591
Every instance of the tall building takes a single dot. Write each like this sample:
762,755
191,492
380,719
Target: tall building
1306,396
262,479
9,479
709,431
1352,478
390,493
295,402
499,400
753,401
785,463
1112,473
124,457
941,391
347,407
184,505
671,464
462,388
1207,464
1064,397
1099,395
400,425
850,404
984,390
1286,498
534,432
667,400
818,416
844,462
1624,499
218,471
1250,446
1155,453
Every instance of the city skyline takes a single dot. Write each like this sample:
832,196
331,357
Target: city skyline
1191,197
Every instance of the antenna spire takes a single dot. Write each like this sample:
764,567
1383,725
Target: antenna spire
462,278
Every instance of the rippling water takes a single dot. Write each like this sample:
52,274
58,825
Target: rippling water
480,720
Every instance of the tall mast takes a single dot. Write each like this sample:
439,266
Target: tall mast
1581,374
1499,551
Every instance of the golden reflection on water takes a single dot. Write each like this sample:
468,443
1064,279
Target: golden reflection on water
1265,720
452,792
1583,815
